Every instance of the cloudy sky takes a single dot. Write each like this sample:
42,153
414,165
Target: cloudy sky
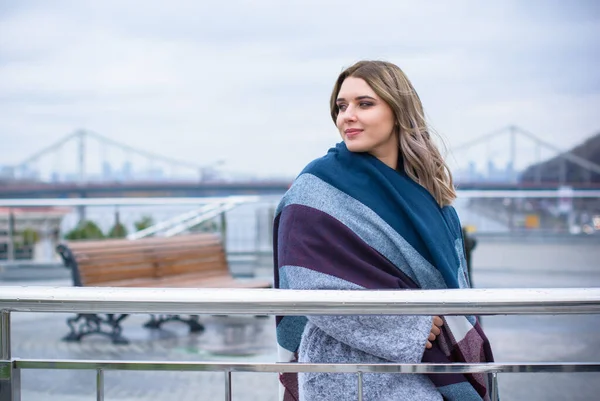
248,82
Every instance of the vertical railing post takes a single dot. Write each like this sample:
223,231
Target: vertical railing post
494,386
360,386
99,385
10,256
228,386
5,353
223,228
10,377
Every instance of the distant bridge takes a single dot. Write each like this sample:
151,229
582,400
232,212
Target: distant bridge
24,179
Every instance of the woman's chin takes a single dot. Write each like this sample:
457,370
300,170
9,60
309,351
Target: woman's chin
356,147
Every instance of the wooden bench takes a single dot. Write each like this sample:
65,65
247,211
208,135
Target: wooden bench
191,261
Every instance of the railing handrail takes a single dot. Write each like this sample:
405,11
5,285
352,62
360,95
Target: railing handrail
300,302
284,302
274,367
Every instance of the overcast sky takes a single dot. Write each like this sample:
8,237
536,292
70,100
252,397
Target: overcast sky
248,82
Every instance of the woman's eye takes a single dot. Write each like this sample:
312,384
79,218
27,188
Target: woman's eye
342,107
366,104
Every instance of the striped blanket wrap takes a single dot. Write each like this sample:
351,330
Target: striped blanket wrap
348,218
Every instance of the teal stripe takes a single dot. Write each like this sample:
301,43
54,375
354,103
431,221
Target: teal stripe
460,392
289,332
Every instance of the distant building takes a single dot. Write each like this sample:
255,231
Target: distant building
44,225
127,171
107,173
7,173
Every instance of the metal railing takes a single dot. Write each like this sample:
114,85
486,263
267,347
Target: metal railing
285,302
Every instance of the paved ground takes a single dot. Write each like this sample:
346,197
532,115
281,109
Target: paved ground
542,338
252,336
498,264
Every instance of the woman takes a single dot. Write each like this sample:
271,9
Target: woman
374,213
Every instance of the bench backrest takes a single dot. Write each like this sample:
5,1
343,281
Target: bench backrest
101,261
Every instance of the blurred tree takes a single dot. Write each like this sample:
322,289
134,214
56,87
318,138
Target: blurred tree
117,231
208,226
85,230
143,223
30,236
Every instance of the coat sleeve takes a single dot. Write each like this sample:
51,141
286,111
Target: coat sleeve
396,338
311,254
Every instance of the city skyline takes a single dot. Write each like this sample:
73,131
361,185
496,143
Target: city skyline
497,164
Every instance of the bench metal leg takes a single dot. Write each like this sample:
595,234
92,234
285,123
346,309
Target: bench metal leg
158,320
85,324
195,325
153,323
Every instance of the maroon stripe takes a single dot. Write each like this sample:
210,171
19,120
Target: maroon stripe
436,355
290,383
315,240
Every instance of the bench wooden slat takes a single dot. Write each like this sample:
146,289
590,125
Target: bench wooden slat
190,281
142,271
93,250
183,261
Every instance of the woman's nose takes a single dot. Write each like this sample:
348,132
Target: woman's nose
349,114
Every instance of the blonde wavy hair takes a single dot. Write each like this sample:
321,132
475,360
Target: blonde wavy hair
423,161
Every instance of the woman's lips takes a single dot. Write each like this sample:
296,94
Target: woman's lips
352,132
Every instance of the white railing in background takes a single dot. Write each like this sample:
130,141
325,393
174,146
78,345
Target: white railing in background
205,209
171,201
284,302
72,202
188,220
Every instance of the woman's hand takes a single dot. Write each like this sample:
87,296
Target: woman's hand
435,331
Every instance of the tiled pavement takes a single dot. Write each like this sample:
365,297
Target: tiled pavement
38,336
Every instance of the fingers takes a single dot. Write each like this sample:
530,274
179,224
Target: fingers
435,331
435,326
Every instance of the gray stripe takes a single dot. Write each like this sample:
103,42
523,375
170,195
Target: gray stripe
463,282
301,278
462,268
311,191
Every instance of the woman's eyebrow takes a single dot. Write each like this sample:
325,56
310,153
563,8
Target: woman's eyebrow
341,99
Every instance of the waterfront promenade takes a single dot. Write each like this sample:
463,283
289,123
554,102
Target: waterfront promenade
506,263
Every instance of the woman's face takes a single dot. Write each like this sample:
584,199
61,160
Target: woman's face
366,122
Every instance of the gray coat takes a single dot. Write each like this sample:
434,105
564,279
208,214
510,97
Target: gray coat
374,339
